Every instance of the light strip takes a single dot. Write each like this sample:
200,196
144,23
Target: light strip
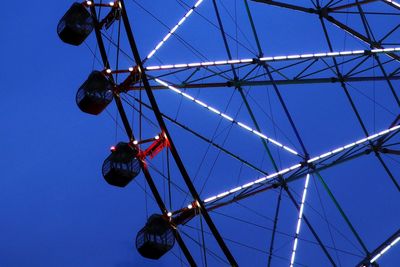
393,3
296,239
227,117
322,156
171,32
275,58
383,251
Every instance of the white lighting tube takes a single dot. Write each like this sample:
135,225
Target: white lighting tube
270,59
171,32
299,219
227,117
297,166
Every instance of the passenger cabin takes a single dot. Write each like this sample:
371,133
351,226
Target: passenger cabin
156,238
95,93
76,25
122,166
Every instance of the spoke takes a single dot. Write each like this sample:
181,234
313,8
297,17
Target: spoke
228,118
273,59
299,219
173,30
273,177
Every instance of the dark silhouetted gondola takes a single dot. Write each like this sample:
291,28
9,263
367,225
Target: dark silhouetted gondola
76,25
122,165
156,238
95,93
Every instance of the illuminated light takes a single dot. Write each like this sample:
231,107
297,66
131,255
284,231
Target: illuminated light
332,54
111,3
173,30
131,69
345,53
89,3
210,199
188,96
284,171
272,175
151,54
293,56
340,149
113,148
249,60
355,52
108,71
180,65
266,58
313,159
306,55
275,142
226,117
233,61
349,145
388,49
135,142
200,103
375,258
198,3
189,13
209,63
276,58
153,68
167,66
221,62
245,126
169,214
290,150
194,64
222,194
299,220
181,21
247,185
157,137
190,206
260,180
395,241
235,189
297,166
260,134
214,110
167,36
325,155
362,141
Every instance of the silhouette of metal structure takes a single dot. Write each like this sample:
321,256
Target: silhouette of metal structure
332,67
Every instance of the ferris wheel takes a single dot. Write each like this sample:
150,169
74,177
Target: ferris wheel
259,132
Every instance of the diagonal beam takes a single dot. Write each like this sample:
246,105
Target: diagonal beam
172,147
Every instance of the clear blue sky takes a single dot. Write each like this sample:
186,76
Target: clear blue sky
56,209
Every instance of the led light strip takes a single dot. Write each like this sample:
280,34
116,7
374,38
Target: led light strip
393,3
296,239
383,251
297,166
269,59
227,117
173,29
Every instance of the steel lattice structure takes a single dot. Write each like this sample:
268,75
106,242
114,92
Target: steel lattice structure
338,68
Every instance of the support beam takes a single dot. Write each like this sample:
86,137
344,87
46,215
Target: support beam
172,147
